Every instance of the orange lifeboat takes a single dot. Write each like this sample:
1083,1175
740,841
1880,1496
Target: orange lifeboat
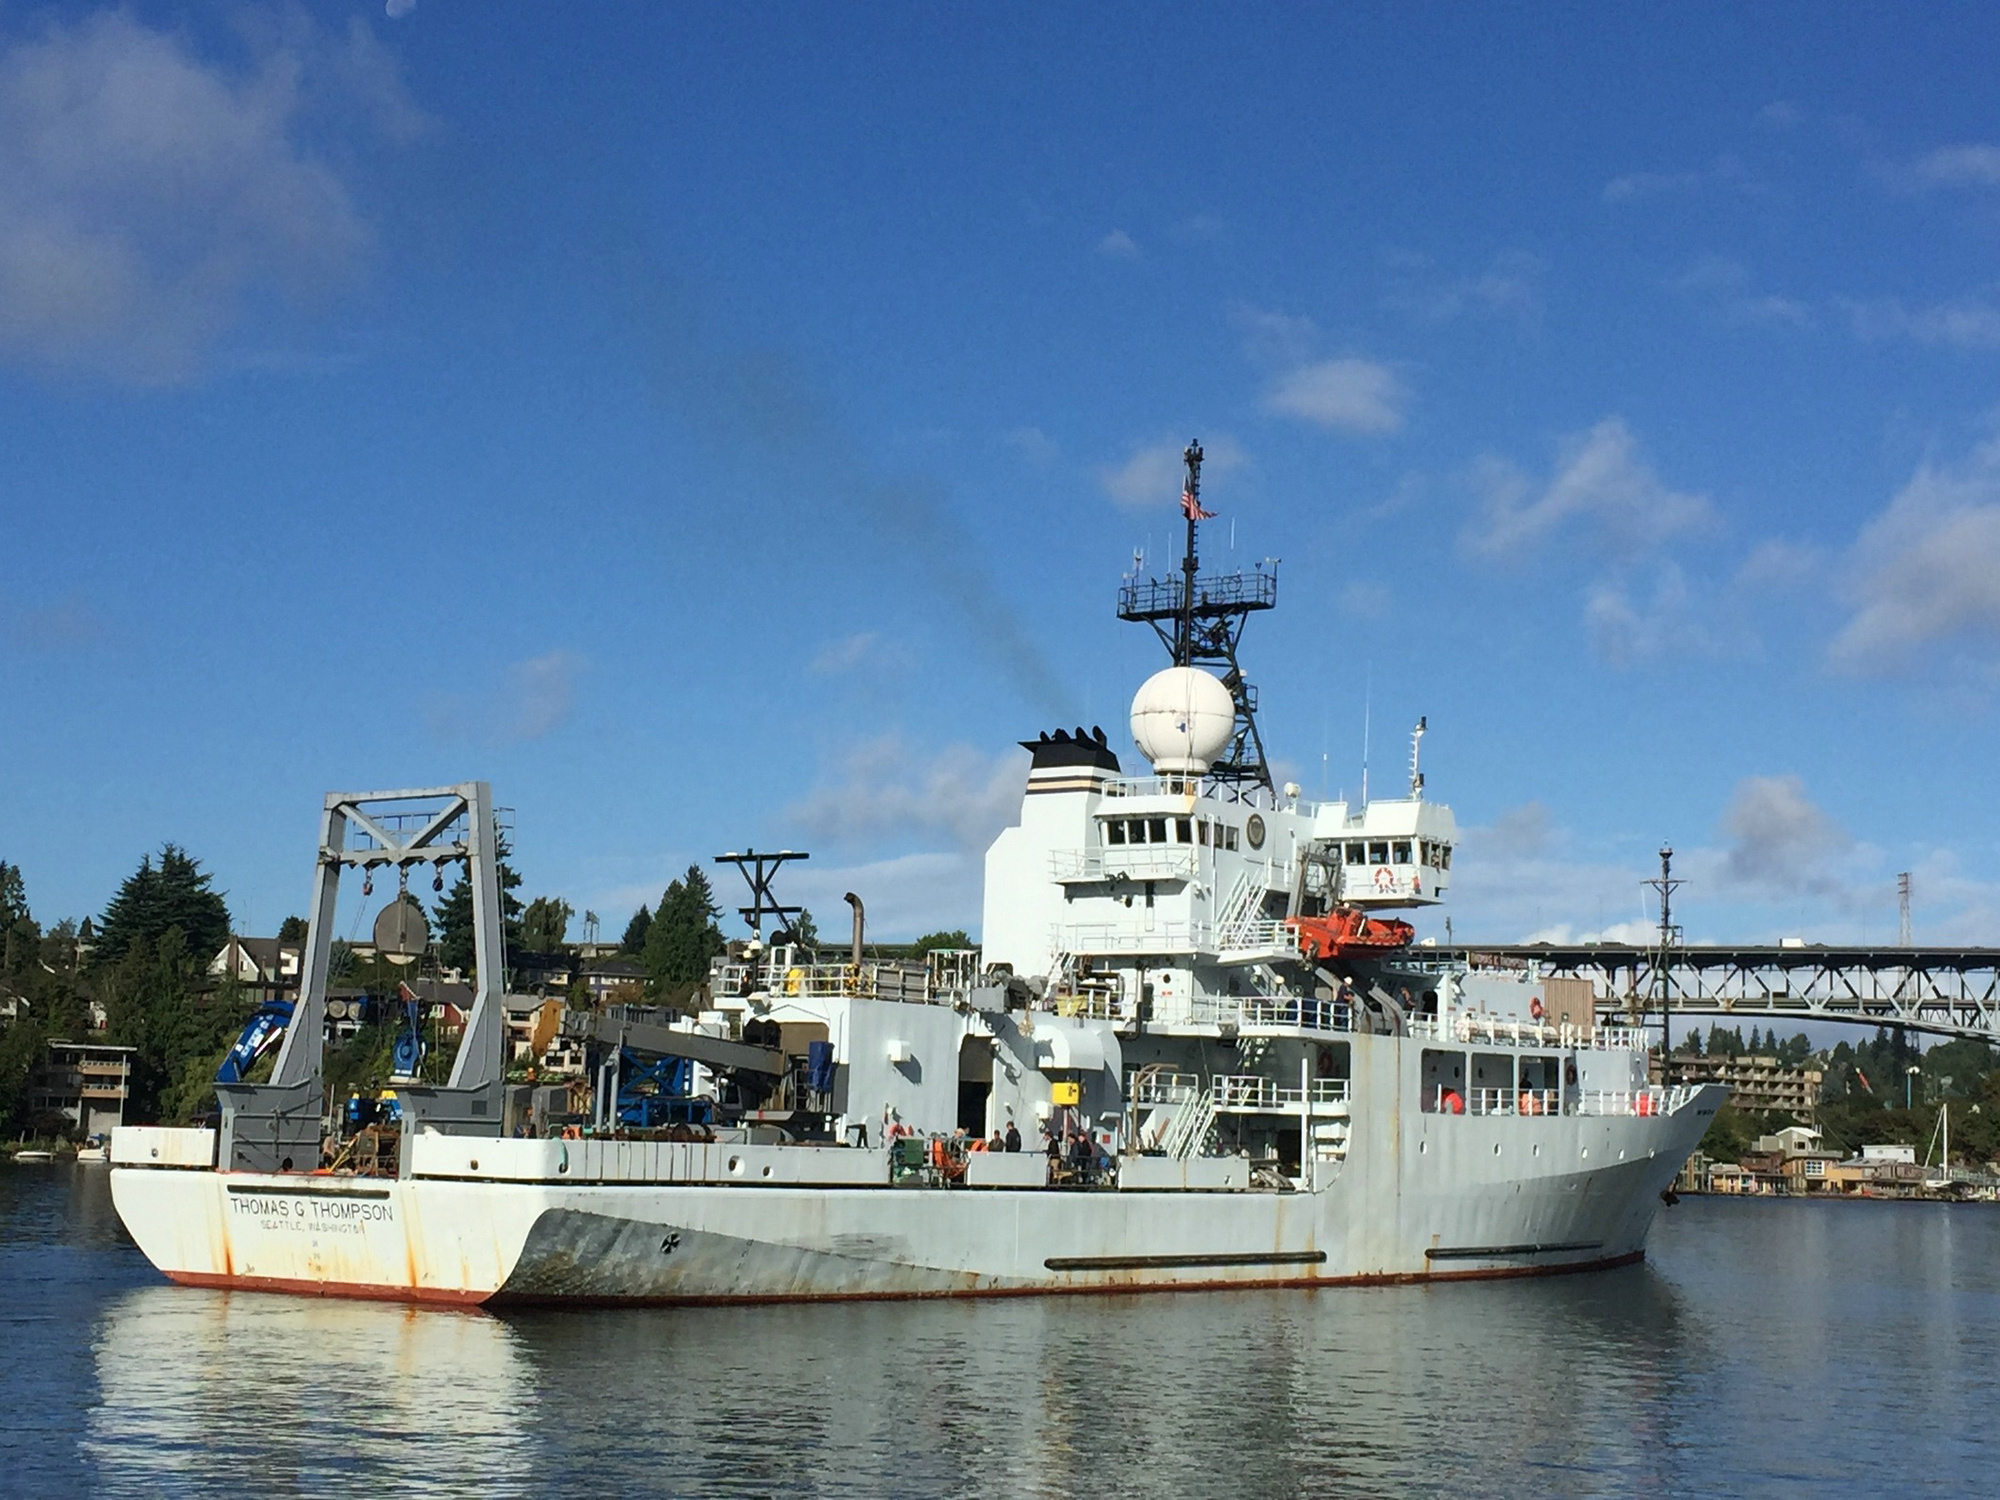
1349,932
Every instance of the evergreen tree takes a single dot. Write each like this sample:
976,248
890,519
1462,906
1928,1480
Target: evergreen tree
292,930
453,918
545,925
13,895
153,899
634,940
683,936
931,941
159,1003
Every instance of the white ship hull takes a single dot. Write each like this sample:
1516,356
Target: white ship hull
509,1221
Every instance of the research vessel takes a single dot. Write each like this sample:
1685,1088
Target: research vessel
1226,1061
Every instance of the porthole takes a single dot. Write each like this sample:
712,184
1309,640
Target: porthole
475,1164
1535,1149
736,1165
1422,1147
1496,1148
1586,1153
767,1171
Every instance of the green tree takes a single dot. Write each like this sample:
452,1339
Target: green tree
292,930
930,942
174,893
805,931
683,936
160,1003
545,925
453,917
634,940
13,895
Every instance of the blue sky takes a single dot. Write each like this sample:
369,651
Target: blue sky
727,425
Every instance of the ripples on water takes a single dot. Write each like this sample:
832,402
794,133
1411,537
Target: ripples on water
1767,1348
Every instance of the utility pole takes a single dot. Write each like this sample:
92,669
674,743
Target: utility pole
1903,939
1666,885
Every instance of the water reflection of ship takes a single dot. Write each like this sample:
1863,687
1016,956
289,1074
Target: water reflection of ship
281,1388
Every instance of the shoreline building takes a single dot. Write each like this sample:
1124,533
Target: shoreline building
1757,1082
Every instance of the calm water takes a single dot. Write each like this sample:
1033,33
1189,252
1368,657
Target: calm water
1767,1348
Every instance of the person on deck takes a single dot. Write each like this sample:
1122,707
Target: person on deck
1013,1141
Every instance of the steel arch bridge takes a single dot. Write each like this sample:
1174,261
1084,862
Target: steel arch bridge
1952,992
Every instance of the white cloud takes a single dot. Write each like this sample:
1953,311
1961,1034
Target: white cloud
1968,322
1151,475
1626,631
1776,563
1274,339
397,9
1927,570
1365,601
1779,839
544,692
889,791
1510,287
1636,186
533,698
844,654
1600,486
1355,395
1034,445
1118,245
1725,285
148,195
1521,831
906,896
1971,165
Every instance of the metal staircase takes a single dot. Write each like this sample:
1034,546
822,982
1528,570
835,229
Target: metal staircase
1188,1131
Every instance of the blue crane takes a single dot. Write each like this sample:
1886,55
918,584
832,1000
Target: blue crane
259,1035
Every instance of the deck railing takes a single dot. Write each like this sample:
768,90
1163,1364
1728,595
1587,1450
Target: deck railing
1292,1011
1258,1091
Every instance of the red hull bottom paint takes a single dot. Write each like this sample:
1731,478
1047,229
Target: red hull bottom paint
299,1288
440,1296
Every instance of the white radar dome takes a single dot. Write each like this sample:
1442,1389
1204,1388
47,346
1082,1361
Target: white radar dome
1182,719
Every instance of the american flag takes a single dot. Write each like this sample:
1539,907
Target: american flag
1191,507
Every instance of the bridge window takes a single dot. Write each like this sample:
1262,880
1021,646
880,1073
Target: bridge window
1378,854
1228,836
1402,852
1444,856
1201,831
1157,828
1114,830
1183,831
1357,854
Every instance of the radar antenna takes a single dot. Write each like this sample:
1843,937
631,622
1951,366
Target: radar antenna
1200,621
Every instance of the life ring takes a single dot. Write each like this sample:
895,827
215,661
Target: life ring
1451,1103
1535,1007
1385,878
1642,1104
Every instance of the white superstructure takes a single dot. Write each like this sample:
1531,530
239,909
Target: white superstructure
1225,1063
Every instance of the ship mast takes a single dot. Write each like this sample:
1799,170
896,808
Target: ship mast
1200,621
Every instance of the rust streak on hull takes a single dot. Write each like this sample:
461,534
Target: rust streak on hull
300,1286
